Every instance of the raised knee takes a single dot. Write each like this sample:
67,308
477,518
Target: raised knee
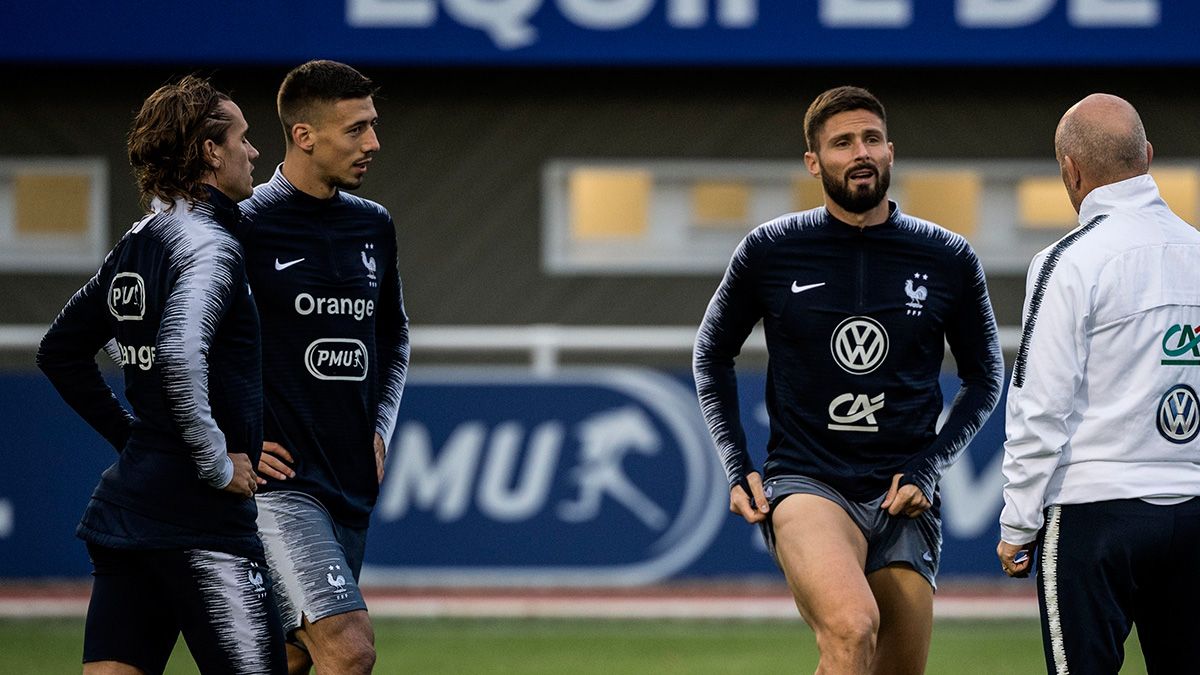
857,631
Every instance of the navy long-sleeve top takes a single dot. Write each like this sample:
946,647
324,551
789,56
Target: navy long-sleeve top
854,320
171,300
335,337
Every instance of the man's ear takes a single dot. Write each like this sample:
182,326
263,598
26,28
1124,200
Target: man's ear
303,136
212,154
813,163
1071,173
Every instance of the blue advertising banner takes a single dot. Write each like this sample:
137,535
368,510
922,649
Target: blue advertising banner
589,477
605,32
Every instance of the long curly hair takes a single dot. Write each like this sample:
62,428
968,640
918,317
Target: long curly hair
166,141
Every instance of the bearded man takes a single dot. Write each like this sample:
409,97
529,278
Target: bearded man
856,299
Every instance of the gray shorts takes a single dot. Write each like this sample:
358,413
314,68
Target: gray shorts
916,542
314,561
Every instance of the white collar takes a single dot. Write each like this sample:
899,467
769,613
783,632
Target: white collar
1132,193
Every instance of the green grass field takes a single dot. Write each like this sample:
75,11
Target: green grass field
603,647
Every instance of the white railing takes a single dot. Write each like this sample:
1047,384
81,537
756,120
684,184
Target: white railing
544,343
21,336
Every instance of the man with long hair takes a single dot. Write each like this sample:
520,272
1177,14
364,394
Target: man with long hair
171,527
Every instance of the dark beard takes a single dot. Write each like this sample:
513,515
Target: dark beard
861,200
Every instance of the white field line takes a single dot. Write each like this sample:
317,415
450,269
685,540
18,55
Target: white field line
432,606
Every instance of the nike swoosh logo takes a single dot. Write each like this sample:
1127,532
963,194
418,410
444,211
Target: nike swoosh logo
284,266
795,288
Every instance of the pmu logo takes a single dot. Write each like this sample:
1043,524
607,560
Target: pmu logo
590,477
337,359
127,296
855,412
859,345
1181,346
1178,418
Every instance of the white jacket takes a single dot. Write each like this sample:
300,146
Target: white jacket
1102,404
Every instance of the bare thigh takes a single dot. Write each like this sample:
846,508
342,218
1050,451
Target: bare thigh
905,601
822,553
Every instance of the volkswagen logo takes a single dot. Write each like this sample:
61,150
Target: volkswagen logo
859,345
1178,418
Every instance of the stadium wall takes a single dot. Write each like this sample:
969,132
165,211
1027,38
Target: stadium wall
464,150
585,477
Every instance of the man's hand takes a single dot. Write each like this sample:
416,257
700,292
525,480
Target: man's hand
907,500
754,511
380,456
274,462
244,482
1016,559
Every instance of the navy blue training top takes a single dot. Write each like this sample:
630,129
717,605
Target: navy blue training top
173,299
335,337
854,320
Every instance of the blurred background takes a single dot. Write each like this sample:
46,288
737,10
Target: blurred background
568,179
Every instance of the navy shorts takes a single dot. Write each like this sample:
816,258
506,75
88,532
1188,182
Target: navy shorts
916,542
142,600
314,560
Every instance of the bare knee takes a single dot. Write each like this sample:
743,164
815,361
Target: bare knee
352,656
342,644
358,656
848,631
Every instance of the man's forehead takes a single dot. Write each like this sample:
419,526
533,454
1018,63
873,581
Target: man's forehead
852,121
349,111
234,112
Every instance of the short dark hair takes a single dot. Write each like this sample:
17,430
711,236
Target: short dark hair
834,101
166,141
316,82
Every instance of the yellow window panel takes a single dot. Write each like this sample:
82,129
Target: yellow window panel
1042,204
610,203
1180,188
721,204
806,192
948,198
48,204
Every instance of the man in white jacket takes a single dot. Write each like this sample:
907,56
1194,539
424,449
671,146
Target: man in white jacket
1102,462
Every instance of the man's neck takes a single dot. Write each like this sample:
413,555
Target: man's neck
297,171
878,215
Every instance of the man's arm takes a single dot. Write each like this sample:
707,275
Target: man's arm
728,321
974,340
67,355
392,347
1046,377
199,298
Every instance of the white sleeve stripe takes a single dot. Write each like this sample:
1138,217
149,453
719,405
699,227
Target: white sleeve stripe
205,261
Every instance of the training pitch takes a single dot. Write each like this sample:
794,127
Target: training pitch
585,646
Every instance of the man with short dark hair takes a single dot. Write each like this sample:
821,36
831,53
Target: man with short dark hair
856,299
1102,465
322,264
171,528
